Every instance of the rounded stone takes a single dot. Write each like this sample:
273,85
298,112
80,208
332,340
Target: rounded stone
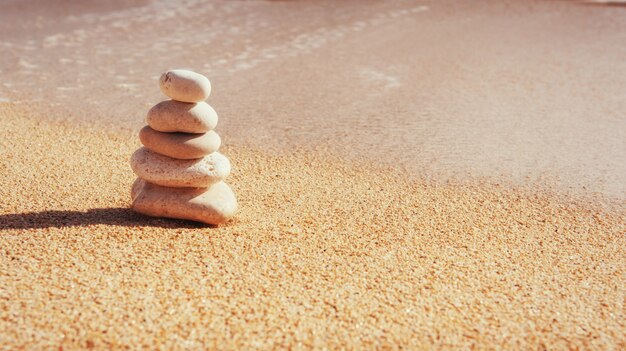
213,205
175,116
184,85
166,171
180,145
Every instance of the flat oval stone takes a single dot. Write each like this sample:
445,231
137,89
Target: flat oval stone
176,116
213,205
166,171
180,145
184,85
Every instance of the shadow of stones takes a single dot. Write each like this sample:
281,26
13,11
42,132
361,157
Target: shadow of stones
123,217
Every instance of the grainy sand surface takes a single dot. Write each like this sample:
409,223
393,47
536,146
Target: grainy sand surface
502,224
323,254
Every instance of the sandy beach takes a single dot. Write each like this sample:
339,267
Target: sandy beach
410,174
323,254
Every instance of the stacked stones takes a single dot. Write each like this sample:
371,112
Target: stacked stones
180,171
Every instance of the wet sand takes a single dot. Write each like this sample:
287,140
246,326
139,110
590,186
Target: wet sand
518,90
501,225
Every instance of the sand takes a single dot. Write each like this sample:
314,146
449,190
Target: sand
502,227
323,254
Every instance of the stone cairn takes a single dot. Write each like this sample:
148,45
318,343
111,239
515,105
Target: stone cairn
180,171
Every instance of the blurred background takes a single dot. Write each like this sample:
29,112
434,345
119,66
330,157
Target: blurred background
522,91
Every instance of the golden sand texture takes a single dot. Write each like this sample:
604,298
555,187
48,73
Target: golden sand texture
322,254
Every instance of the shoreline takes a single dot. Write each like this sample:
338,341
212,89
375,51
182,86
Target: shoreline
441,87
323,253
548,182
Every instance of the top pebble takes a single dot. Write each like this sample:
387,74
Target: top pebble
186,86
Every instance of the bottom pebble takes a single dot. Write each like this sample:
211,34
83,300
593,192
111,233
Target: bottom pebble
213,205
